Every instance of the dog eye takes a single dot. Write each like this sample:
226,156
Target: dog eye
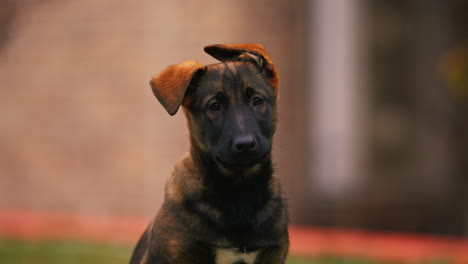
215,107
256,101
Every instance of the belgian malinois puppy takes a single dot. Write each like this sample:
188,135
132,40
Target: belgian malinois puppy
222,203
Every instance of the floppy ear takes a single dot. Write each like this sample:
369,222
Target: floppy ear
170,85
246,52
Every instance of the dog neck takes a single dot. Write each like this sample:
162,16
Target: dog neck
236,196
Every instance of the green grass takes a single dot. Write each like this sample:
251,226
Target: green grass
72,252
55,252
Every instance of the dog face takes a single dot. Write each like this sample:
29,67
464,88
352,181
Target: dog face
230,106
231,113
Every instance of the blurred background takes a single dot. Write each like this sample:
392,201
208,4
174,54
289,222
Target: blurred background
373,131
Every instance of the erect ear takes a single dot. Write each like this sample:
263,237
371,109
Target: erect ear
246,52
170,85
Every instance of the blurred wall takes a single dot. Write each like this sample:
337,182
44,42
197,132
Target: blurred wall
373,105
388,135
417,178
80,128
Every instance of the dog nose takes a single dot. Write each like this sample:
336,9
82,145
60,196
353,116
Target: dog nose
244,143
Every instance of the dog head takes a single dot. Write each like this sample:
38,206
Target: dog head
230,106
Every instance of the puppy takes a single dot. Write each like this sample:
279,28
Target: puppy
222,203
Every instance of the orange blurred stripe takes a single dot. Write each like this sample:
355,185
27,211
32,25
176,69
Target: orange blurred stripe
306,241
403,247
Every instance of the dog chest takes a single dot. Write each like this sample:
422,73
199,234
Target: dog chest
235,256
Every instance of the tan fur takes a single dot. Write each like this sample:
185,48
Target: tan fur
250,48
170,85
184,180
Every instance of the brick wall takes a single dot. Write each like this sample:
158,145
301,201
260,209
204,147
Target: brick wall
80,129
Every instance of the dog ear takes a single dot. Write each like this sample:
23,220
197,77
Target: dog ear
170,86
246,52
